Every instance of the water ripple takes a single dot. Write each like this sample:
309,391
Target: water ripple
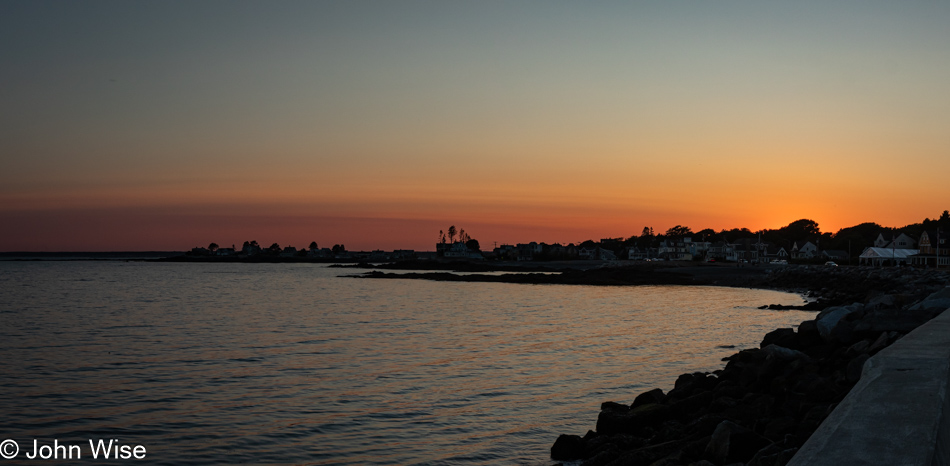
273,363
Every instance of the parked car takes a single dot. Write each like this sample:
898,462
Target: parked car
831,264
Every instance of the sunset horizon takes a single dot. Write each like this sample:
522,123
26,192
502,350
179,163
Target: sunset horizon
137,126
493,232
94,231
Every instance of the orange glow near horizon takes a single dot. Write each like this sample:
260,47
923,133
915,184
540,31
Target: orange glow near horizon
368,126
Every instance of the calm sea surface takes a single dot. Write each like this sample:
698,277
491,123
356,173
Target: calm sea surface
288,363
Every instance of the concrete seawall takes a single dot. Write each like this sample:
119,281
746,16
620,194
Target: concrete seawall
898,413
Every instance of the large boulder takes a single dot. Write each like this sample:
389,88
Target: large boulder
782,337
886,301
831,317
568,447
885,320
808,334
687,385
653,396
785,354
732,443
938,300
615,418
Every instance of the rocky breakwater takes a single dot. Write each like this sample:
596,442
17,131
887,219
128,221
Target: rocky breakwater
767,401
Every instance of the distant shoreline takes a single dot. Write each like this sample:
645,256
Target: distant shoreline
600,275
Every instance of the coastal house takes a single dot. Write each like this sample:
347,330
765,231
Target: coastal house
557,251
403,254
586,253
505,252
721,251
834,255
378,255
675,250
225,251
886,256
746,250
634,253
698,248
769,252
804,249
527,251
597,253
900,241
456,250
880,241
934,247
320,253
781,254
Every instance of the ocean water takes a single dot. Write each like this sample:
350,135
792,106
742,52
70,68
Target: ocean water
292,364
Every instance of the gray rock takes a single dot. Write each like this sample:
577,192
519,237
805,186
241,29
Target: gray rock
808,333
878,344
783,337
733,443
653,396
883,301
860,347
614,421
568,447
785,354
938,300
886,320
830,318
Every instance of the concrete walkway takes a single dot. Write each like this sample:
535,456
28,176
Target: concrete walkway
898,413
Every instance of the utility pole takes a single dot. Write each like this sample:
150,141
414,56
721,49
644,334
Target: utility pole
893,242
937,256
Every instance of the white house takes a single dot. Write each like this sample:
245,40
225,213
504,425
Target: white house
804,250
882,256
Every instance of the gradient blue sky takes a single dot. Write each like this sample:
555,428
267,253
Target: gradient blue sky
165,125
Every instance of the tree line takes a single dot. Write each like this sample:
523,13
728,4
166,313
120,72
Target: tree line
855,238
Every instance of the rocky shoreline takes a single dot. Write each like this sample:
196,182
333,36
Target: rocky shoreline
765,403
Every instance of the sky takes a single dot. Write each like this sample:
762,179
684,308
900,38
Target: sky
134,125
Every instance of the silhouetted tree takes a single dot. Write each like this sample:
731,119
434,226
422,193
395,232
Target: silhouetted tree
473,245
802,229
274,248
338,249
213,247
452,232
679,231
313,246
859,237
706,234
441,236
